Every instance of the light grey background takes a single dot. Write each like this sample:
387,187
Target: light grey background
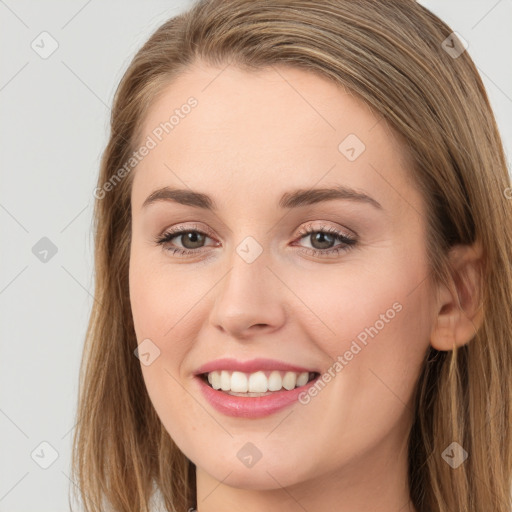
54,125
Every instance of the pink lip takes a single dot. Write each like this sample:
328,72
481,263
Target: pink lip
251,407
250,366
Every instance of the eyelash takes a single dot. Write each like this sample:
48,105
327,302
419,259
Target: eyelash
348,241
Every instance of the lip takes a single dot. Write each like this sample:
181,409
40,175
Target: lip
251,366
251,407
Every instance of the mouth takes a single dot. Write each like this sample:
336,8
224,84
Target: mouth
256,384
254,395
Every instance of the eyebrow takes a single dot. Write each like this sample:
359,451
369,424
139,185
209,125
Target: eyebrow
293,199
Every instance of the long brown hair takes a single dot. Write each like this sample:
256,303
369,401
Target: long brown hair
393,55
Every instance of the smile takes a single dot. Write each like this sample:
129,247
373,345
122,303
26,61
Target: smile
250,404
257,383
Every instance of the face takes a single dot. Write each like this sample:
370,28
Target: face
332,284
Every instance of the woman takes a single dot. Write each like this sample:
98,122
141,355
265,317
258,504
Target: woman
304,279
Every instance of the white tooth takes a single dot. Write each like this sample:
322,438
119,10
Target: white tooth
215,379
258,383
275,382
289,381
239,382
302,379
225,380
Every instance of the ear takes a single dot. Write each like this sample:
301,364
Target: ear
459,310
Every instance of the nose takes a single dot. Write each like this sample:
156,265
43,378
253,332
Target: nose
249,300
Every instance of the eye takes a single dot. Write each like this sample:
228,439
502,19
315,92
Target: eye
322,240
193,239
190,238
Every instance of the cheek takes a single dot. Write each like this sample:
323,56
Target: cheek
379,329
162,302
381,326
165,311
159,310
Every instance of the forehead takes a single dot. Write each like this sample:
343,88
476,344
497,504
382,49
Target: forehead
267,130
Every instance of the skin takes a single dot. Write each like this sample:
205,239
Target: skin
252,137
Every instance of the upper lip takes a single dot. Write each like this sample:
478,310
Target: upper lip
253,365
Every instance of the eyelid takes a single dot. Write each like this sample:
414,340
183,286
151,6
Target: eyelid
347,233
186,227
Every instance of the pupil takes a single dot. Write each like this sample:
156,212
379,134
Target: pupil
192,237
322,239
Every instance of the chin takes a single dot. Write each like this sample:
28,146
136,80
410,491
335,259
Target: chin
274,473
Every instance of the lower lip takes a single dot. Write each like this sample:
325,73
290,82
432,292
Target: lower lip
251,407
